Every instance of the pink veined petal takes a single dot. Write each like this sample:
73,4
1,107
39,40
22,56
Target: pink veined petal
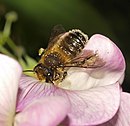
47,111
10,72
122,118
94,106
88,107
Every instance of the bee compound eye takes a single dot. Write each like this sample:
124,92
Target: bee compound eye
37,68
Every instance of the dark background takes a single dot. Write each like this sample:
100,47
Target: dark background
37,18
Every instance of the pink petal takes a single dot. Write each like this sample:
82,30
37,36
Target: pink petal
88,107
107,50
10,72
111,54
47,111
94,106
122,118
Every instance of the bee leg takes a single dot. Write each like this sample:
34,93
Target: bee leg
60,76
64,74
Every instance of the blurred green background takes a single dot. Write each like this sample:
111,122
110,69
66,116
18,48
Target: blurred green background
36,18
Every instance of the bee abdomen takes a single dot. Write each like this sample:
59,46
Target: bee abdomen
73,43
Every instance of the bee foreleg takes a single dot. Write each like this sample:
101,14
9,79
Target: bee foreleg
59,75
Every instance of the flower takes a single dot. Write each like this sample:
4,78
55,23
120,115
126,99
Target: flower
95,94
87,96
37,113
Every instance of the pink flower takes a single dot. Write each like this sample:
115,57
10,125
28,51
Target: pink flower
86,97
37,113
94,94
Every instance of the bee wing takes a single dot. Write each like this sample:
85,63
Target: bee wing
87,59
56,31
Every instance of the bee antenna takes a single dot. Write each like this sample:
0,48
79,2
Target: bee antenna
28,71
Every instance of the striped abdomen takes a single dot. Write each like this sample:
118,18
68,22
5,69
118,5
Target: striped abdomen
73,42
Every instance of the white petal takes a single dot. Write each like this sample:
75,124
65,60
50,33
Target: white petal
10,72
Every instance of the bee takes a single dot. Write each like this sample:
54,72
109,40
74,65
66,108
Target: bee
64,51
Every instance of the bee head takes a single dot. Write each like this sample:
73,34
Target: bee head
43,72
